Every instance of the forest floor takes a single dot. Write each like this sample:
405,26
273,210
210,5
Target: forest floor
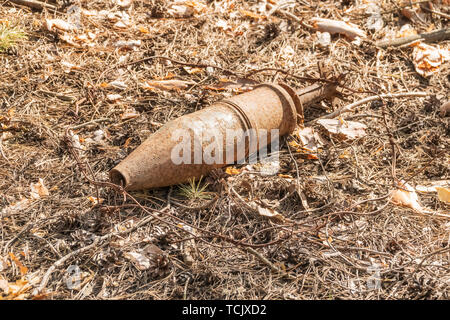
75,102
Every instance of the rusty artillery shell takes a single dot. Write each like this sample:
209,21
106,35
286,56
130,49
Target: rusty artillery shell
259,111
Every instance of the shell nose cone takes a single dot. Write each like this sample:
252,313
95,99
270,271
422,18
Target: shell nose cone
117,177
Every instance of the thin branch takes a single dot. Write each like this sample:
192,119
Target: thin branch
270,264
434,36
290,15
91,122
406,4
447,16
34,4
350,107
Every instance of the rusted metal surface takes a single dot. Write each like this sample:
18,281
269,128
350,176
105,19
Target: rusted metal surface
313,94
266,107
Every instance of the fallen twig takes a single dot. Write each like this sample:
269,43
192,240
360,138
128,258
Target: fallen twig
1,148
434,36
353,105
270,264
447,16
300,192
91,122
58,95
34,4
404,5
290,15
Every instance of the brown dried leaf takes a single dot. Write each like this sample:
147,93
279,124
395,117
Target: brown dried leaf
180,11
427,59
406,31
198,6
15,290
239,85
309,138
3,264
121,24
94,200
406,197
310,154
4,285
129,113
123,3
69,39
20,205
443,194
69,67
139,260
149,257
415,15
167,84
59,24
128,45
151,249
113,97
252,15
224,25
270,213
38,190
344,129
232,171
118,85
22,268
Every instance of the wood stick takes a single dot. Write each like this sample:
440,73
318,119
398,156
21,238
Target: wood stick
270,264
34,4
434,36
290,15
353,105
447,16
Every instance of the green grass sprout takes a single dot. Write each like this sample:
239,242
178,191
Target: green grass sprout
9,36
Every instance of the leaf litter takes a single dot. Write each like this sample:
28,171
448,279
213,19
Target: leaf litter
327,207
